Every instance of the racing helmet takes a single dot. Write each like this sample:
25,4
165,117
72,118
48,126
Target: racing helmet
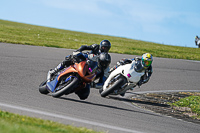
105,46
104,60
147,59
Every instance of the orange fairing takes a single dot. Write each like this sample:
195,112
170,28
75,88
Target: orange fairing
83,71
66,71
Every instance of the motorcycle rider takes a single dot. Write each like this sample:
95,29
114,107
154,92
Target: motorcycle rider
197,40
104,60
146,61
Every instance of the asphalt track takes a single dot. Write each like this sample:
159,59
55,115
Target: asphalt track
23,68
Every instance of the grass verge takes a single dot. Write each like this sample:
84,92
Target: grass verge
19,33
13,123
191,103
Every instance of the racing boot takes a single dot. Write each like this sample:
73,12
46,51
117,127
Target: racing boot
50,73
100,83
54,71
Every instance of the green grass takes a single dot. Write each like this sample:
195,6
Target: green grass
13,123
19,33
192,102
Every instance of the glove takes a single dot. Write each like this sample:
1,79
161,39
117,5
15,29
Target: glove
118,63
76,52
112,69
93,57
122,62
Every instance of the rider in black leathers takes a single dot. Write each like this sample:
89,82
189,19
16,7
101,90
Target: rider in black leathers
100,54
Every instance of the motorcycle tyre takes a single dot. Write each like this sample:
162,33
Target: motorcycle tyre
66,89
42,88
116,84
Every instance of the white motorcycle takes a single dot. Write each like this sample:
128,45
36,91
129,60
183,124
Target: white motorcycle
123,78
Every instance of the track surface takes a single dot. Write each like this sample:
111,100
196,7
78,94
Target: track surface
23,68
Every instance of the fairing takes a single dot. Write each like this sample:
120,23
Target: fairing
80,68
127,71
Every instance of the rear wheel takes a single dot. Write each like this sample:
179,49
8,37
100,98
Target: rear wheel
115,85
42,88
65,88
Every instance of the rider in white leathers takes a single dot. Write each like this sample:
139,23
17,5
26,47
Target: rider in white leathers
146,60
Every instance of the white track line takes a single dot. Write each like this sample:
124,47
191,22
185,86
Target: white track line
68,118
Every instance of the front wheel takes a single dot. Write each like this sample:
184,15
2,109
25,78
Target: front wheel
115,85
42,88
65,89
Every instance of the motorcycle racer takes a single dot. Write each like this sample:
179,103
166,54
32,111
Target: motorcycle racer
98,53
104,61
146,61
197,41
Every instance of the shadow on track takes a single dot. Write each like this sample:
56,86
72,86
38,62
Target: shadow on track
138,101
108,106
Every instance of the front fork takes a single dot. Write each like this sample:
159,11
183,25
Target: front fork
113,80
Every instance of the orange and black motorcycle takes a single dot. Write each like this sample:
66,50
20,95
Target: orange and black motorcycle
71,79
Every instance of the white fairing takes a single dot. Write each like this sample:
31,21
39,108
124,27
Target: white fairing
125,70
